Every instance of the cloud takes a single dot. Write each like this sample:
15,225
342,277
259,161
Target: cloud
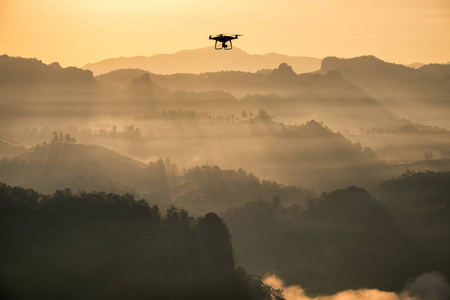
428,286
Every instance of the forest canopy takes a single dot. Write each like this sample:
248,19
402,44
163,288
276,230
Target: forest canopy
97,245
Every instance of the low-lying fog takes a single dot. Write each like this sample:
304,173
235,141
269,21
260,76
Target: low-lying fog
266,148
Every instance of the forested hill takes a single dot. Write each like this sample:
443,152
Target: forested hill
92,168
32,74
349,239
376,75
282,80
109,246
51,166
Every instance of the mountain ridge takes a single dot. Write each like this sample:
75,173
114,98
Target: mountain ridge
204,60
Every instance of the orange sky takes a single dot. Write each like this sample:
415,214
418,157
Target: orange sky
76,32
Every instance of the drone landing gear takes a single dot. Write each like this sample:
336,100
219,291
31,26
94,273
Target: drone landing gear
224,46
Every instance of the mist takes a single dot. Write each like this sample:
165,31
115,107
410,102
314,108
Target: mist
427,286
331,175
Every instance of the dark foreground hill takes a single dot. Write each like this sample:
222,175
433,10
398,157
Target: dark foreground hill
347,239
107,246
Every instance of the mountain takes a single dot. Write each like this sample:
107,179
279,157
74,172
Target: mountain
30,87
416,94
281,79
204,60
436,70
415,65
32,74
376,75
367,70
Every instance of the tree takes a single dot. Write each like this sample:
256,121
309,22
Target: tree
428,155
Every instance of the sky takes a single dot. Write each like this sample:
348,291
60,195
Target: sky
76,32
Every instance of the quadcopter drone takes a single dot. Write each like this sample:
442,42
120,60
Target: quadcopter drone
224,39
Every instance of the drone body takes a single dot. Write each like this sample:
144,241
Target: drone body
224,39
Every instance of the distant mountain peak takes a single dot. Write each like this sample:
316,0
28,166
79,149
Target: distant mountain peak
55,66
283,71
204,60
284,67
143,82
366,59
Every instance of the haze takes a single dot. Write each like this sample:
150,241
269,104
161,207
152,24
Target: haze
160,168
79,32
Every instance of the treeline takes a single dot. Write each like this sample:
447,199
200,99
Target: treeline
109,246
416,190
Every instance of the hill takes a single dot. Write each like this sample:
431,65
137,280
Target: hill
375,75
30,73
204,60
110,246
282,80
30,87
54,166
10,148
92,168
341,240
436,70
416,94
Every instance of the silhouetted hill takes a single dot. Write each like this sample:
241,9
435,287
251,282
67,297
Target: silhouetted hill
376,75
109,246
284,73
416,190
341,240
282,80
415,65
370,70
143,82
143,87
209,188
436,70
121,78
30,73
204,60
91,168
416,94
29,87
54,166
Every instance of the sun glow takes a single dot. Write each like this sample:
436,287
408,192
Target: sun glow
78,32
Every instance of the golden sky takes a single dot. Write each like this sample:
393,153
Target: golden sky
76,32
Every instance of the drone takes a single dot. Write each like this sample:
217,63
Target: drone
224,39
